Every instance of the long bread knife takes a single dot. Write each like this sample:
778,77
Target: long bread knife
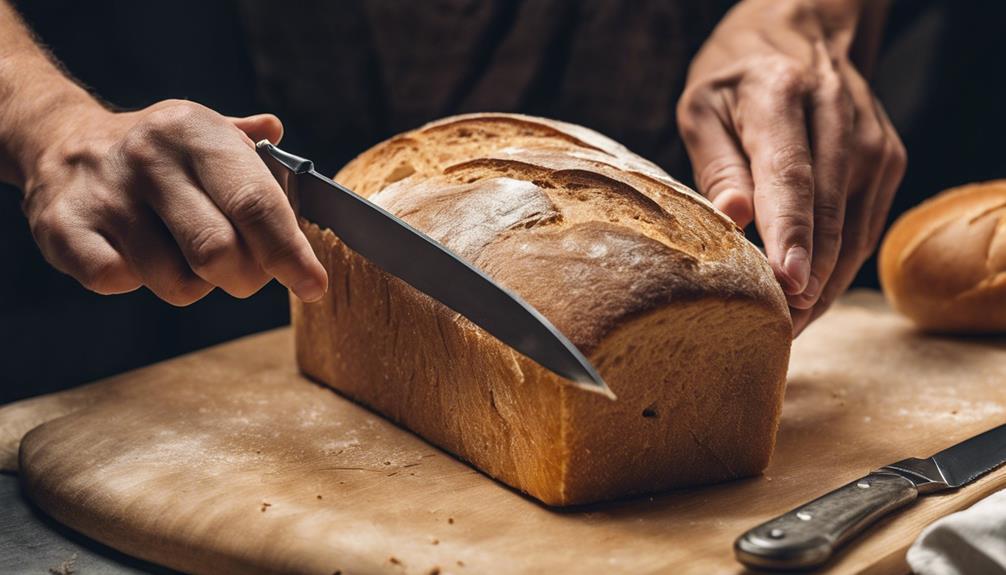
807,536
405,252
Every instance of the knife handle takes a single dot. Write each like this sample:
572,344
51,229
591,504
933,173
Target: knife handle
808,535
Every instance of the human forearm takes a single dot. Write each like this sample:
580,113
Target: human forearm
34,97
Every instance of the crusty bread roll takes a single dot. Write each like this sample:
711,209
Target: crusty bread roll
943,263
680,314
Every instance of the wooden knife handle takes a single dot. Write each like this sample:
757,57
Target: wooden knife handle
808,535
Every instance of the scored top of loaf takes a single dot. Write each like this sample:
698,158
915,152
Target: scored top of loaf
587,232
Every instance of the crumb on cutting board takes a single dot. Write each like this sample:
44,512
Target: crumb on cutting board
394,560
66,567
434,571
450,520
265,505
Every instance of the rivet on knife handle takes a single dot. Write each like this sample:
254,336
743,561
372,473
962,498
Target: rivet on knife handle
810,534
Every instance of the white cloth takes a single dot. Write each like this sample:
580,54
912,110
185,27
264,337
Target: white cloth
968,542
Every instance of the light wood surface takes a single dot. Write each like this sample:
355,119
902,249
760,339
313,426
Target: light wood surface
227,461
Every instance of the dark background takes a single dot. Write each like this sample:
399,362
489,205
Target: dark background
940,76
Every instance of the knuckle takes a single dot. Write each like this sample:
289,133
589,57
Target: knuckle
692,106
800,12
104,276
244,291
183,290
789,76
51,228
163,126
871,141
248,288
791,165
720,173
828,220
173,116
138,146
688,127
832,91
249,205
794,224
46,224
210,246
277,255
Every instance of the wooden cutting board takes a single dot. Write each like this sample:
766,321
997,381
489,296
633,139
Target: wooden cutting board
227,461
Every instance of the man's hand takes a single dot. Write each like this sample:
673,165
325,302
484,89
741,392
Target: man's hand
173,197
783,130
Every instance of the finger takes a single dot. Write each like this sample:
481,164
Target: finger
72,244
721,169
845,272
871,210
831,134
90,258
156,259
260,127
878,169
774,135
893,174
246,192
871,155
852,258
207,240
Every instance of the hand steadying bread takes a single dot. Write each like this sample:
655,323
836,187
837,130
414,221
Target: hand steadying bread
680,314
775,115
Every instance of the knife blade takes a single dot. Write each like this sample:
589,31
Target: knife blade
412,256
808,536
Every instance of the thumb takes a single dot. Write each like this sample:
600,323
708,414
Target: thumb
260,127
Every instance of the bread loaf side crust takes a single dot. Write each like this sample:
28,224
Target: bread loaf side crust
679,312
943,263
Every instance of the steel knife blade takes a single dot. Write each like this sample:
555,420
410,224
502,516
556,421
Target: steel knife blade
808,536
406,253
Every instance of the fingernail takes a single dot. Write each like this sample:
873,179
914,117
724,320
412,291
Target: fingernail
309,290
796,266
